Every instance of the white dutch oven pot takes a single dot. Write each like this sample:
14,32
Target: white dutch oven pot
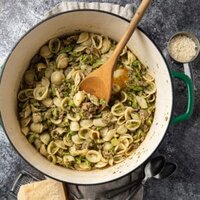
114,27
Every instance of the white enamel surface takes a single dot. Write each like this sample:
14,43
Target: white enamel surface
113,27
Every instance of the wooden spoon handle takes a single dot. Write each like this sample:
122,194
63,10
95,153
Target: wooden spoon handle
133,24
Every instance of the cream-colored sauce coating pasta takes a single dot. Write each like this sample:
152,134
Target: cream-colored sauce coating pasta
72,128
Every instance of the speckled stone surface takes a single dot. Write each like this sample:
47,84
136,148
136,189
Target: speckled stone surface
182,142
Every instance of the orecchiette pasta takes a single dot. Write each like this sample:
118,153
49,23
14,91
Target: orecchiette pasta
128,113
93,156
101,164
118,158
52,148
120,148
37,127
151,89
62,61
29,76
121,120
40,67
148,77
45,138
118,109
84,133
40,93
54,45
106,45
68,158
57,132
78,98
37,117
60,144
77,140
80,48
55,121
122,129
96,41
43,150
109,135
72,128
87,123
67,140
82,37
26,112
24,95
73,151
58,102
99,122
57,77
107,146
52,158
94,135
141,101
25,130
74,118
45,52
132,124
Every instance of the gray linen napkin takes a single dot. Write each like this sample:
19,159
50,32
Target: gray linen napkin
124,11
96,192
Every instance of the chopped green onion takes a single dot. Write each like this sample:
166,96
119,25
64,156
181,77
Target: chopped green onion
87,59
136,63
114,141
71,103
103,102
98,128
136,88
134,103
31,138
97,63
66,49
53,90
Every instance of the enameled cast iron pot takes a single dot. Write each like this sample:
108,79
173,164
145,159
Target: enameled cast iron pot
114,27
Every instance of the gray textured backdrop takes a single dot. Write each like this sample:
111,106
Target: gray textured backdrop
182,142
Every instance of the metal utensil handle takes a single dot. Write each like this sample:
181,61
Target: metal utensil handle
189,72
112,193
23,177
134,192
15,182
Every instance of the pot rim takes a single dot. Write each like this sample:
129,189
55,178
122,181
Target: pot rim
83,10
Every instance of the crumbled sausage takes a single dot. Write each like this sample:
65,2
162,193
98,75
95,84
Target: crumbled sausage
107,117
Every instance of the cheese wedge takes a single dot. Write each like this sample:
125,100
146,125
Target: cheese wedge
42,190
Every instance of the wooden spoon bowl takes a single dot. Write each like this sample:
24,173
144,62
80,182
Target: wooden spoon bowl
99,82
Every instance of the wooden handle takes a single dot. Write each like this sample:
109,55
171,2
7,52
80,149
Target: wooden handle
132,26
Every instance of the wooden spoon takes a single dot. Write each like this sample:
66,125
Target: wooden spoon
99,82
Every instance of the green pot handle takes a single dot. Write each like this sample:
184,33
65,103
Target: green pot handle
190,95
0,122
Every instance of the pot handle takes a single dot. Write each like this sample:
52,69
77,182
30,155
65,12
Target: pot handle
190,96
24,177
1,123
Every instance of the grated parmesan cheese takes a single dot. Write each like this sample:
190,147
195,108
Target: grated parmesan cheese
182,48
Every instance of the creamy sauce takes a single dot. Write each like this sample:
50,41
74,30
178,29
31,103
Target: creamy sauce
120,77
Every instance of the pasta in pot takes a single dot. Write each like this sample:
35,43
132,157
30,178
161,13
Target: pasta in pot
75,129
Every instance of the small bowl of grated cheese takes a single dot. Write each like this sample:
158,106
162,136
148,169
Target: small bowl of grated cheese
183,47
